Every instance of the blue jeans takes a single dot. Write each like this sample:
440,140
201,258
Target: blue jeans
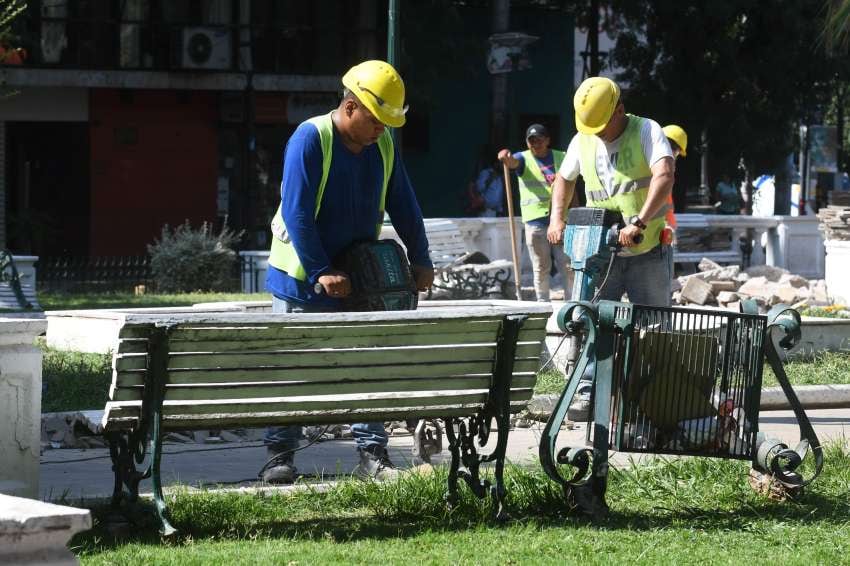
280,439
646,278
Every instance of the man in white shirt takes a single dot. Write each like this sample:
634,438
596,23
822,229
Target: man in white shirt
627,166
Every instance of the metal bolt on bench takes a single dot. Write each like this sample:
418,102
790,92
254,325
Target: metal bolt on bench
675,381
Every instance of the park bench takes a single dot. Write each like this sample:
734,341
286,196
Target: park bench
471,365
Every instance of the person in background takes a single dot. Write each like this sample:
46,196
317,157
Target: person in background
535,169
728,199
341,171
488,190
678,140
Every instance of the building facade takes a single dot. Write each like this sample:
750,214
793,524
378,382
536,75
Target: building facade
129,115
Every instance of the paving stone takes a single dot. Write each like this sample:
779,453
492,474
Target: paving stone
719,286
697,291
796,281
725,297
771,273
706,264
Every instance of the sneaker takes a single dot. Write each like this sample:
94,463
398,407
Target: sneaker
375,463
579,410
282,470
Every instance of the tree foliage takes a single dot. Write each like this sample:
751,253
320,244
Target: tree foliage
745,71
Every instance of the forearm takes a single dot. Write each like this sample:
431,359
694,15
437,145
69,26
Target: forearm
660,188
562,196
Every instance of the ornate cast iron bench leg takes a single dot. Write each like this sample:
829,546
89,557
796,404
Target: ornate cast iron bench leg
474,432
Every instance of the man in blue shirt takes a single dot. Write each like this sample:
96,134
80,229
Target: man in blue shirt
535,169
341,172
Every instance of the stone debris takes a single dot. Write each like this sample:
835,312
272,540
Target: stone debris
834,222
765,284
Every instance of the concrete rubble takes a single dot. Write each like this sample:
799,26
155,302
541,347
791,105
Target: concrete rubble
726,286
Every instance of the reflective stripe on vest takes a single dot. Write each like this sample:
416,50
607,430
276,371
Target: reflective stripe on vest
632,176
283,255
535,194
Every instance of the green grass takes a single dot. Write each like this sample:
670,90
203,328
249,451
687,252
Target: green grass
63,301
74,381
826,368
834,311
696,511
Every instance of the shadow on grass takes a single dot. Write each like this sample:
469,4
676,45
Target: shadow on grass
641,500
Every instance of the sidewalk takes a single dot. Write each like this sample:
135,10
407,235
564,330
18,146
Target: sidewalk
72,474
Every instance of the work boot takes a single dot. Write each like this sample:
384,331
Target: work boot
375,463
282,469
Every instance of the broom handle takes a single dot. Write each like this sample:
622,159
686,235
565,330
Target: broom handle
510,197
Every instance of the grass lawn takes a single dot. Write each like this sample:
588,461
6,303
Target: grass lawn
64,301
697,511
825,368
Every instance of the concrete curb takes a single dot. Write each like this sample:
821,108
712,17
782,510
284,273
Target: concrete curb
772,399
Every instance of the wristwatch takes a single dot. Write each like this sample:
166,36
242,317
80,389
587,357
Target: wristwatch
636,221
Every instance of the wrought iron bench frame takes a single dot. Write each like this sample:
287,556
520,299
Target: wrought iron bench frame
468,426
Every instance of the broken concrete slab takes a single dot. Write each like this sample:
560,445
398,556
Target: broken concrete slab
697,291
34,532
771,273
720,286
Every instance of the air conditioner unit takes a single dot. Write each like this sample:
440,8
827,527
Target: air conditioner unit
206,48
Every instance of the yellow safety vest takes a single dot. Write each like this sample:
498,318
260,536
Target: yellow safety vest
283,254
630,185
535,194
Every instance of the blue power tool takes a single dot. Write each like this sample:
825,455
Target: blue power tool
590,241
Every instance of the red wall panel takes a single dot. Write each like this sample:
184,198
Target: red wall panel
154,161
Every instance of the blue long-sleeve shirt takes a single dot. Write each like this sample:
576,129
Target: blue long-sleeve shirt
349,210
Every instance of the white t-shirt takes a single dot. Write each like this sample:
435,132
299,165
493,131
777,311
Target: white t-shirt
652,140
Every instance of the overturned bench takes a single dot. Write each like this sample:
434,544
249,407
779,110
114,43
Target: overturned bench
470,365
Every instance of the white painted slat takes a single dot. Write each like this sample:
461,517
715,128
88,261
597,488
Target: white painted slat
120,416
241,390
185,346
341,357
270,331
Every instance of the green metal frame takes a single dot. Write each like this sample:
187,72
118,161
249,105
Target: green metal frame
601,322
128,449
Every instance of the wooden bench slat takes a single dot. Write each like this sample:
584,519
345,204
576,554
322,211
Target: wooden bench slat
136,377
294,343
317,358
281,331
296,389
119,415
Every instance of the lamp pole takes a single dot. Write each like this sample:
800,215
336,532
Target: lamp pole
392,48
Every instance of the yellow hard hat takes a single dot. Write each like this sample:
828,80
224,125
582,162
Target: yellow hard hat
678,135
380,89
594,103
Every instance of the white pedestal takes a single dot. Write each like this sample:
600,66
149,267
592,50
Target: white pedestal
34,532
20,405
838,270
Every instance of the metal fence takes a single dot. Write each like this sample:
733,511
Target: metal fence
93,274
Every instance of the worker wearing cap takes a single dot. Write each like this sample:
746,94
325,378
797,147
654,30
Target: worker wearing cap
341,171
627,166
535,169
678,140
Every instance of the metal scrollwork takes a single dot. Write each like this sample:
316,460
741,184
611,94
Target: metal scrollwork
472,284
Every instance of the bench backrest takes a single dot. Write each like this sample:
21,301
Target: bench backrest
262,369
445,242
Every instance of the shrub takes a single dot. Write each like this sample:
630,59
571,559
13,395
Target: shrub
185,260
